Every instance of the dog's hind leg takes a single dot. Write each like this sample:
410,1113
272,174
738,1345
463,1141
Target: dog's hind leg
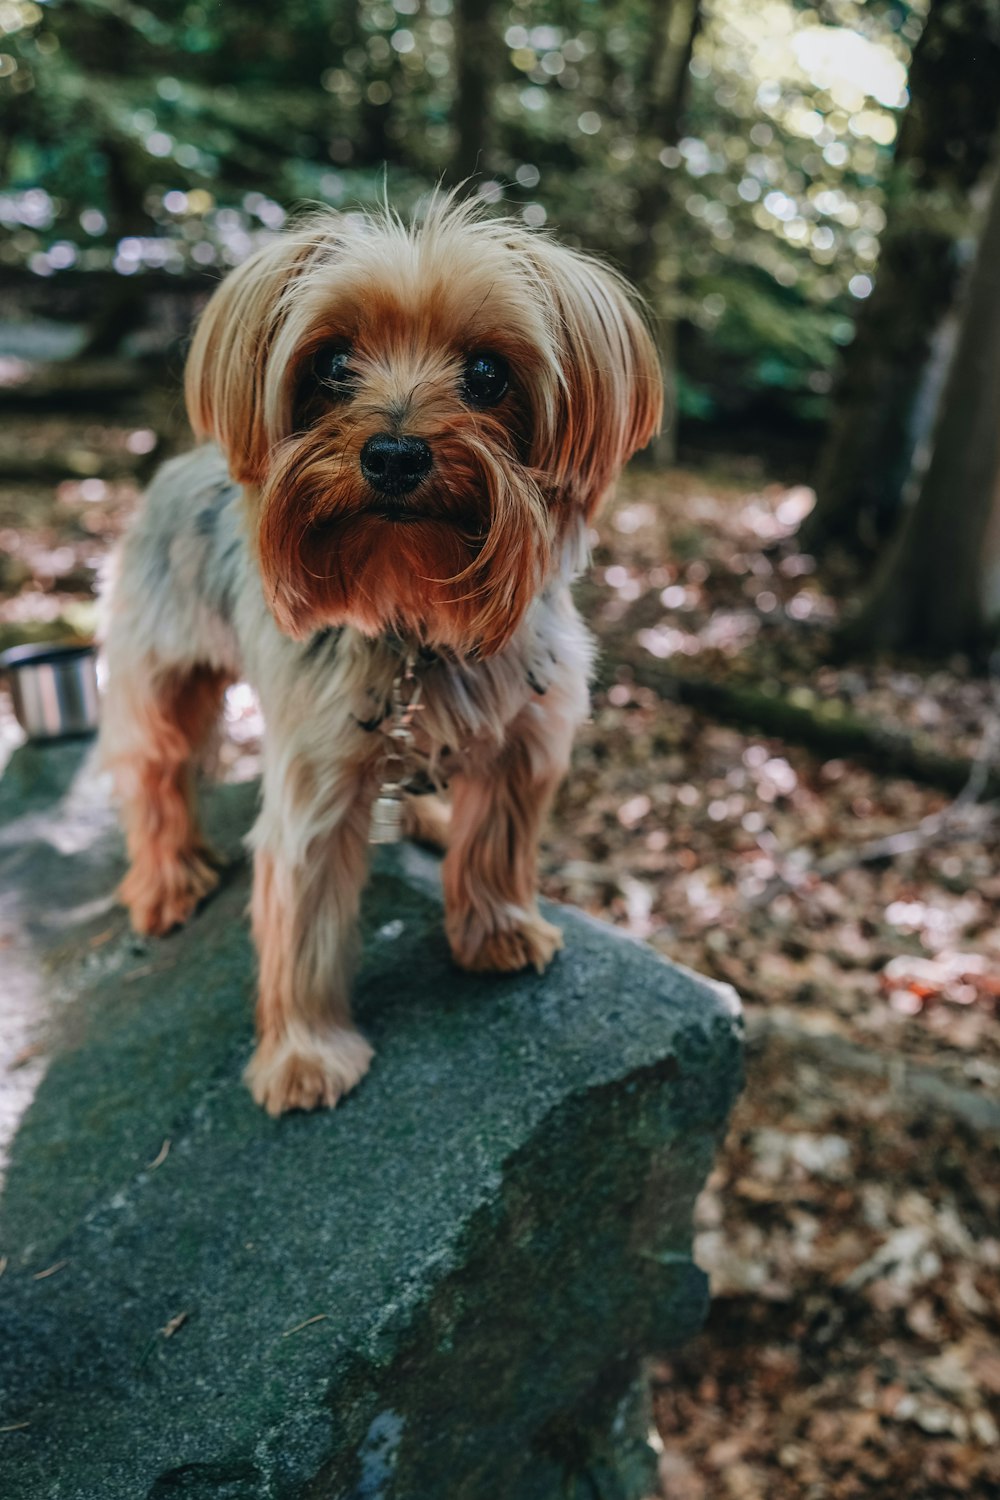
154,724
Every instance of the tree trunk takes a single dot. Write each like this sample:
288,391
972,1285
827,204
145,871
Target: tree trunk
123,307
652,262
477,44
891,373
940,588
663,86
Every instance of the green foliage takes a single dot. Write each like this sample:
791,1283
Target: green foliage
173,135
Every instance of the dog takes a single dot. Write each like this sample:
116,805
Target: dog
405,430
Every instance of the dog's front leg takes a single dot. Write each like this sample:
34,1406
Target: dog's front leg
498,807
310,862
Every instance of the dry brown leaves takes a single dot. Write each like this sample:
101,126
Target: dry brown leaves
674,826
853,1347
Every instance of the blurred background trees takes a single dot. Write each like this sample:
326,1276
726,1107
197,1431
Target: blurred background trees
734,159
797,187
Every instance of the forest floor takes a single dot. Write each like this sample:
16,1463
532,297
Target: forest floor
851,1229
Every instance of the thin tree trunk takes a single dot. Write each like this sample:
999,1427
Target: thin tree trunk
887,374
378,142
653,262
664,84
123,307
937,592
477,44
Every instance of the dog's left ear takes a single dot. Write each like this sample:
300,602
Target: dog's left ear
609,402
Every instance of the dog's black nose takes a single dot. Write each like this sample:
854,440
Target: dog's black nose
395,465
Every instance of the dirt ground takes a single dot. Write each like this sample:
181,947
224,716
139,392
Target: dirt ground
851,1228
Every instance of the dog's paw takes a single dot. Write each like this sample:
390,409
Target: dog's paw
162,895
528,943
306,1069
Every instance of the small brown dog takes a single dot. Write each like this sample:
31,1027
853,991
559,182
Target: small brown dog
410,428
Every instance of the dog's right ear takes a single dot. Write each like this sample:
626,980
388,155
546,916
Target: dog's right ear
226,379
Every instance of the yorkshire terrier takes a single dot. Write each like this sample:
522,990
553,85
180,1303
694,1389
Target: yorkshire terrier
405,431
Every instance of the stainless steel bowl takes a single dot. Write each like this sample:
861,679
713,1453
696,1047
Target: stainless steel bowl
54,689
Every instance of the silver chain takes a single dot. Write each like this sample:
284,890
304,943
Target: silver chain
387,810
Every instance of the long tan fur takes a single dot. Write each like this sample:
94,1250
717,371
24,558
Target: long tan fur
264,554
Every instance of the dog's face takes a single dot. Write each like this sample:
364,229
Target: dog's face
420,416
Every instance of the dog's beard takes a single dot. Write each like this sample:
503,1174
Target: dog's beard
454,563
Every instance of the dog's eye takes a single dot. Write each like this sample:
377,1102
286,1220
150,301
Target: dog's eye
331,368
485,379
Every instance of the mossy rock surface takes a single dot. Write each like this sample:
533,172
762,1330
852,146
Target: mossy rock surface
442,1290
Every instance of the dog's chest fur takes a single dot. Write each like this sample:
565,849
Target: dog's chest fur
197,591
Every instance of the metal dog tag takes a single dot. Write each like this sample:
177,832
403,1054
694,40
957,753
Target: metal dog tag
387,820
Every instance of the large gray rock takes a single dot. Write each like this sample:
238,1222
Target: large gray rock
440,1291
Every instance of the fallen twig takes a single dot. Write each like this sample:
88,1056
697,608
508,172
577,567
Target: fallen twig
160,1156
144,971
50,1270
33,1049
952,825
964,818
299,1326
